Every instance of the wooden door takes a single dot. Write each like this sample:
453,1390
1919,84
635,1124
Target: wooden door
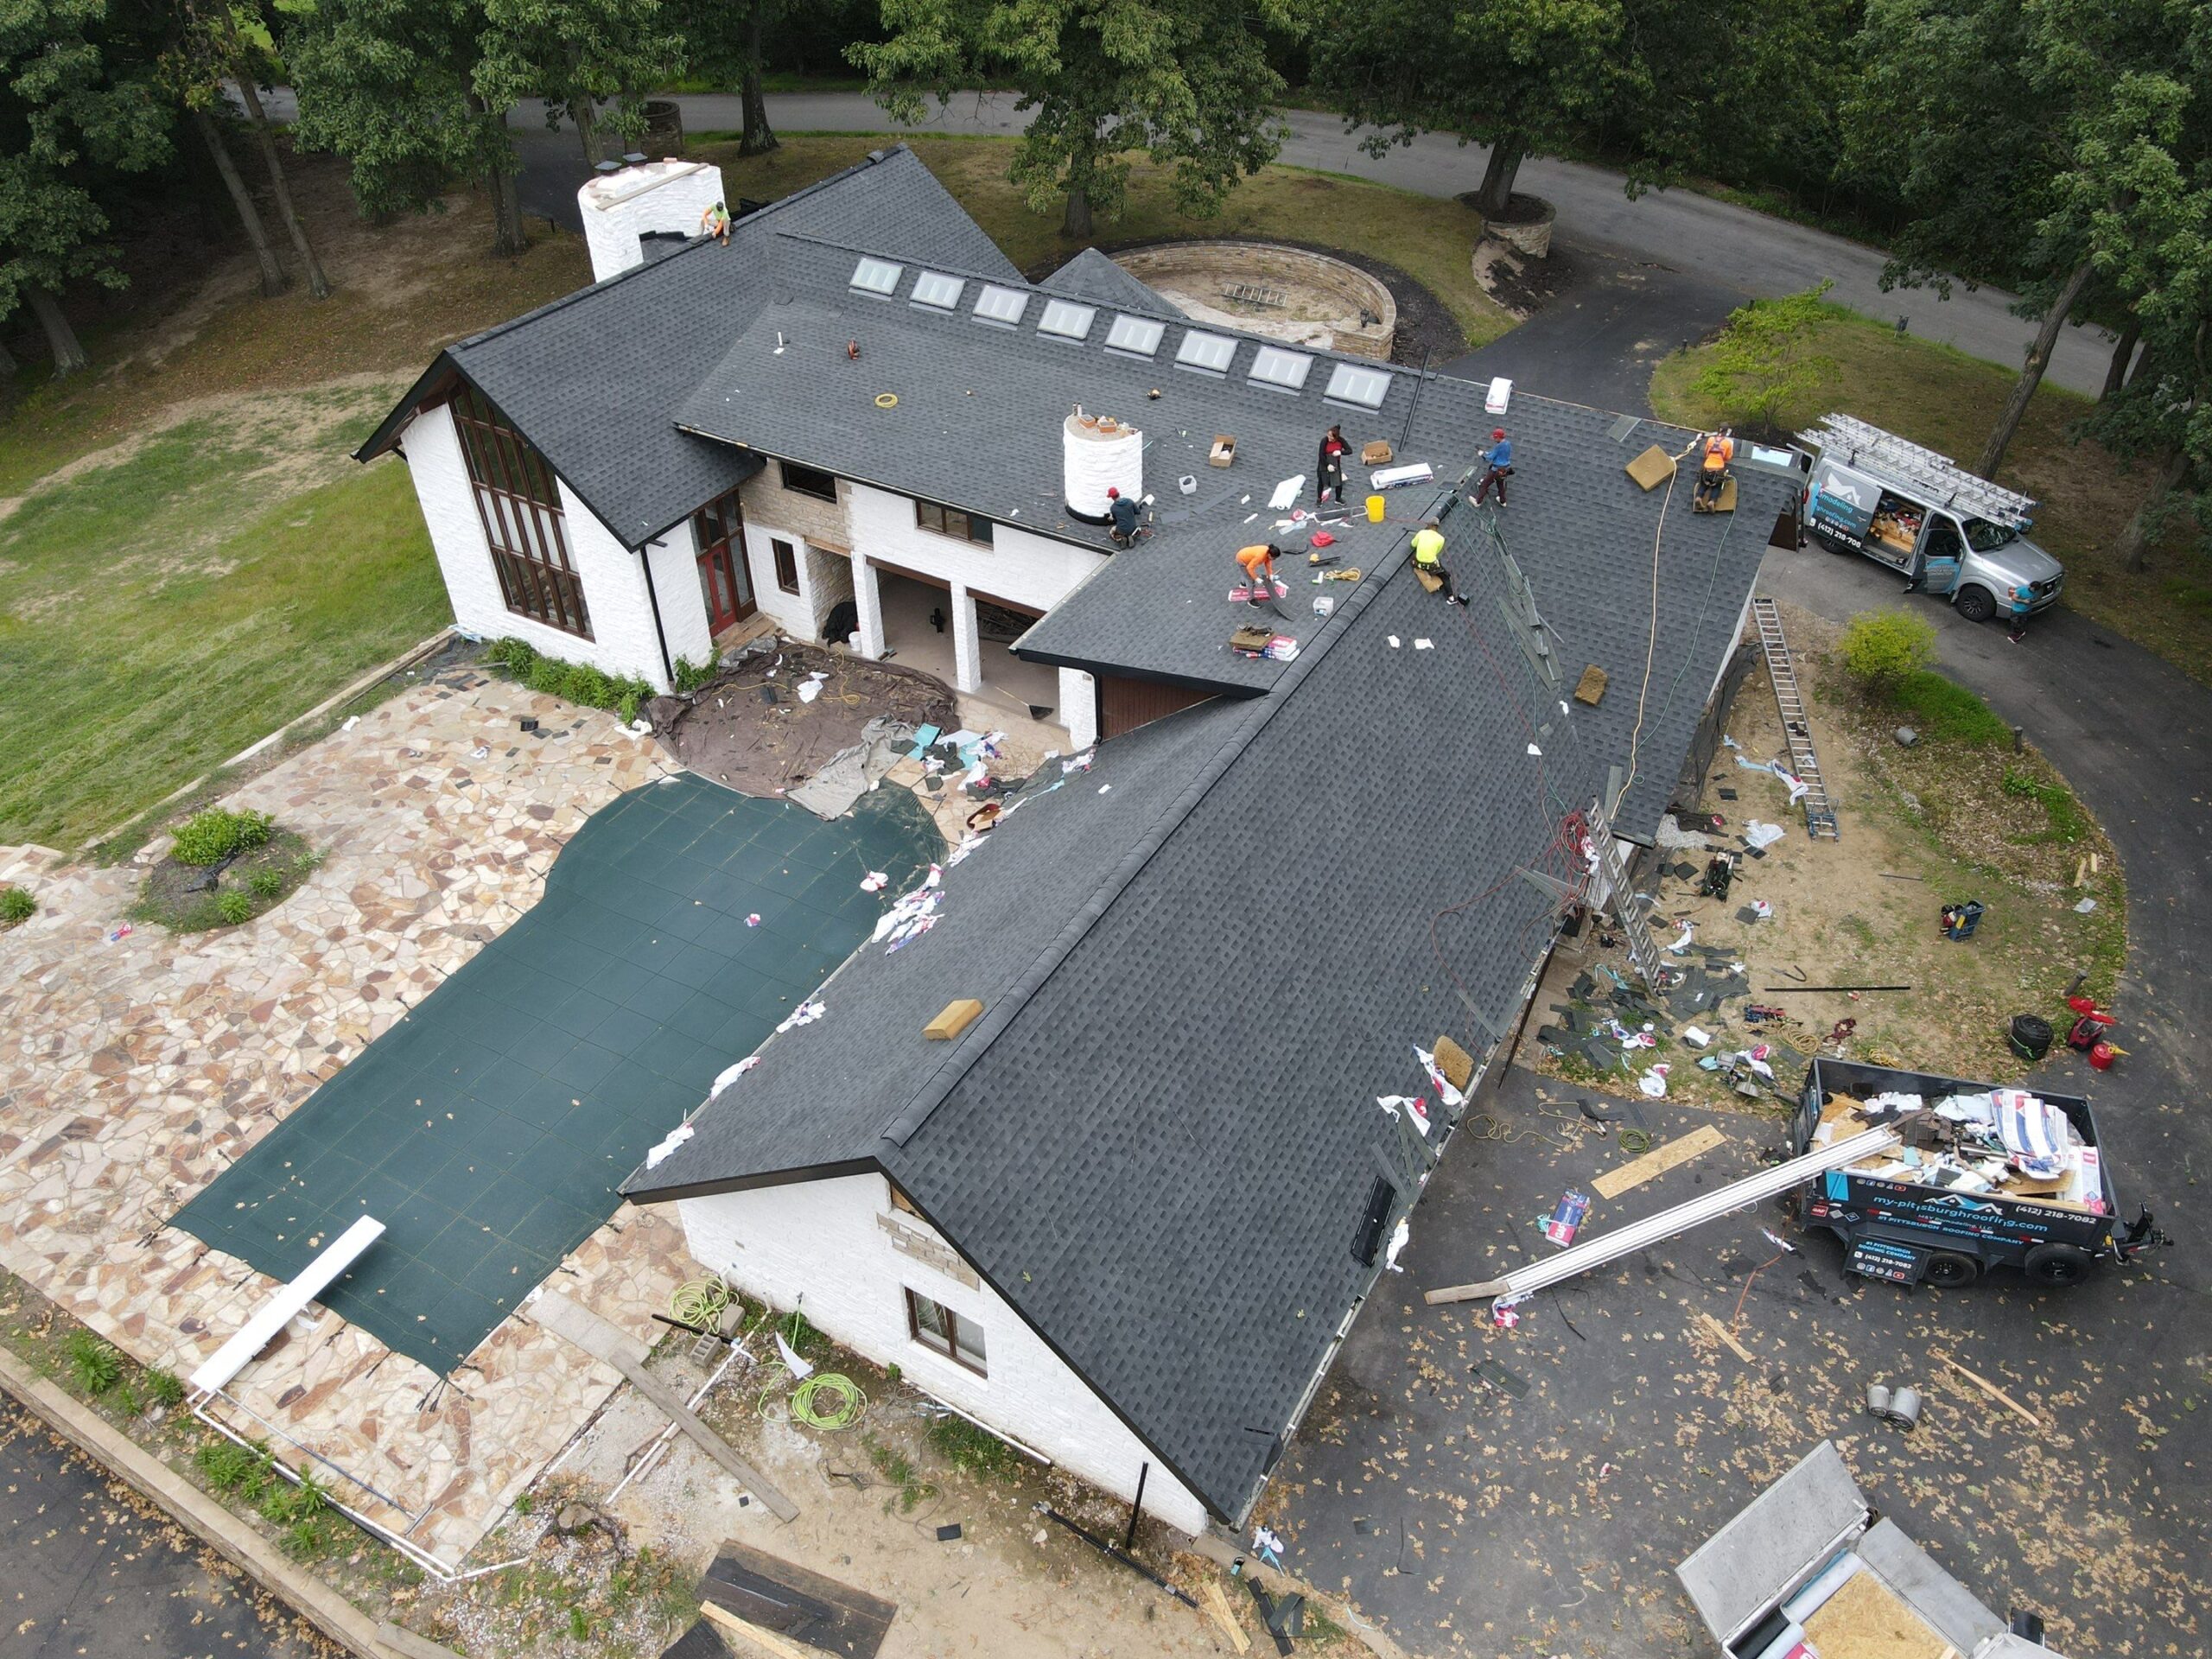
723,583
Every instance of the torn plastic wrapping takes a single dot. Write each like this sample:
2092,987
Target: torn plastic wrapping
2002,1142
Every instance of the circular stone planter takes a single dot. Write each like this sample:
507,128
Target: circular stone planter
664,127
1297,297
1525,227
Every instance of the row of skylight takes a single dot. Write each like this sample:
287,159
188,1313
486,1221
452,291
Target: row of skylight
1129,336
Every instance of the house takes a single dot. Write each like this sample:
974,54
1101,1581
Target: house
1124,1215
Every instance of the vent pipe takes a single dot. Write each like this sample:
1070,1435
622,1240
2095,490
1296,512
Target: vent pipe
1099,453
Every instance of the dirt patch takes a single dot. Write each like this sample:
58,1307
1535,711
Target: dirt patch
192,898
1524,286
751,730
1520,208
1940,824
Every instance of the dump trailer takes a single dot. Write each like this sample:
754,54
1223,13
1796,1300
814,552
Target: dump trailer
1937,1215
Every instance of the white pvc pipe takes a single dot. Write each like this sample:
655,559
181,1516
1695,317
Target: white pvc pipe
233,1356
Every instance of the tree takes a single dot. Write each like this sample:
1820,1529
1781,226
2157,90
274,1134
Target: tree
1764,361
237,44
78,107
729,44
580,56
1185,81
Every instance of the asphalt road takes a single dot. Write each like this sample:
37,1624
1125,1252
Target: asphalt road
86,1576
1737,252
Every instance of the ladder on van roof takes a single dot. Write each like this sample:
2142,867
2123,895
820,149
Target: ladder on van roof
1820,811
1940,478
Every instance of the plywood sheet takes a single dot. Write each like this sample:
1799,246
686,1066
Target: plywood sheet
1652,468
1866,1620
1657,1161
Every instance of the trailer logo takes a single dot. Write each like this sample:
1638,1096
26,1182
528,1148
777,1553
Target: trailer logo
1973,1206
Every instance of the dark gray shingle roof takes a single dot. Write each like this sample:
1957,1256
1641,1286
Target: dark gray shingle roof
1092,276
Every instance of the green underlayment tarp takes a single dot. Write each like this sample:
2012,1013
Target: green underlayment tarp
489,1129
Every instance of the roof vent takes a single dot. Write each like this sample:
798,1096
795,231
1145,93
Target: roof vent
1100,453
633,158
604,167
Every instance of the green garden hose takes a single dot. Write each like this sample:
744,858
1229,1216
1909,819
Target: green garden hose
699,1302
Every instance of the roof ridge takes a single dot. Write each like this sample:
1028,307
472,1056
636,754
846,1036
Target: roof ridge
940,1082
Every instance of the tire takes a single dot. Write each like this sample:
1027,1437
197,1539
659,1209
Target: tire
2056,1264
1948,1270
1975,604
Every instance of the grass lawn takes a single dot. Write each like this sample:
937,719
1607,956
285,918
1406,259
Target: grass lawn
1432,241
1948,400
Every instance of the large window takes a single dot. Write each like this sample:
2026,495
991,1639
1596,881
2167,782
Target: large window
936,1326
950,521
519,504
719,529
807,480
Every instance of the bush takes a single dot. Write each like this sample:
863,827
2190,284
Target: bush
95,1364
690,677
165,1386
1946,711
16,905
573,682
267,883
234,907
1763,363
210,837
229,1467
514,655
1881,649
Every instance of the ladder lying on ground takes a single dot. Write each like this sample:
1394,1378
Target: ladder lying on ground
1820,811
1653,1230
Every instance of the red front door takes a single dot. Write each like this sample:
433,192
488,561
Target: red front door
723,584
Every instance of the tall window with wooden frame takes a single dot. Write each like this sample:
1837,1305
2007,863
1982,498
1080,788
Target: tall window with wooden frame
719,528
519,504
938,1327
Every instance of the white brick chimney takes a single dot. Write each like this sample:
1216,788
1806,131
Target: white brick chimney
664,198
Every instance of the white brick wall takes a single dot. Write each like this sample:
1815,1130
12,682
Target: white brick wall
660,196
1079,707
622,640
682,602
1020,565
824,1240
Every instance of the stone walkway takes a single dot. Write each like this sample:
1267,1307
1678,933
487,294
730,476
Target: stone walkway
133,1072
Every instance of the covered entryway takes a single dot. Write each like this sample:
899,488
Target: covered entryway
724,583
961,636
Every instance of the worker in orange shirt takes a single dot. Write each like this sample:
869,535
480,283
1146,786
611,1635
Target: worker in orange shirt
1713,472
1258,563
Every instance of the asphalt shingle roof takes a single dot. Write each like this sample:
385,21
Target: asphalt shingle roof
1092,276
594,379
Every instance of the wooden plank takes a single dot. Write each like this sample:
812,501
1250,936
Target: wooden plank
767,1641
407,1645
1726,1335
1990,1389
605,1342
1217,1608
1657,1161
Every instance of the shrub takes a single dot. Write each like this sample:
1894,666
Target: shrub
165,1386
572,681
1944,710
267,883
524,1503
690,675
230,1467
16,905
210,837
95,1364
1881,649
1763,363
234,907
974,1450
514,655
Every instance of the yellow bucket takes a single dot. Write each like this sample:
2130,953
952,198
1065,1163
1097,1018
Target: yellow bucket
1374,509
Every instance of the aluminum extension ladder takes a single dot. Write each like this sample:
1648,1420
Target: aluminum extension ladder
1627,904
1820,811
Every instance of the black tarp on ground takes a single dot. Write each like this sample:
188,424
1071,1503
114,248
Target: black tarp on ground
489,1129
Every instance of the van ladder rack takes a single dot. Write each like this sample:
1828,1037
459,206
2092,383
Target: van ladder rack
1943,479
1820,811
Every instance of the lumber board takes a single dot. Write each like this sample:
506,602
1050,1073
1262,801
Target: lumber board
1990,1389
766,1640
1658,1161
1217,1608
1726,1335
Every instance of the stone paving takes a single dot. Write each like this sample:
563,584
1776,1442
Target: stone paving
134,1070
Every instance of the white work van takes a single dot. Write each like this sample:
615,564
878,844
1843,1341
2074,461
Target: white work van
1948,532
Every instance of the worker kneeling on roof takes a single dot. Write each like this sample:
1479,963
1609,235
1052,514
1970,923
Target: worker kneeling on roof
1428,560
1713,472
1123,513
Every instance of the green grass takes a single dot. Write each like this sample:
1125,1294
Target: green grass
161,613
1431,241
1948,401
973,1451
1946,711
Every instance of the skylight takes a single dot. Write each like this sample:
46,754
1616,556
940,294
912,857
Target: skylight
1067,319
876,276
1138,336
1353,384
1274,366
1210,353
937,291
1001,305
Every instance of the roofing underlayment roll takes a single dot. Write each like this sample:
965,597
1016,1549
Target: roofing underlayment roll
1100,453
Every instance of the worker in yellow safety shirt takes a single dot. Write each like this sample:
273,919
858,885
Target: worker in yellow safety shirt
1428,555
1712,472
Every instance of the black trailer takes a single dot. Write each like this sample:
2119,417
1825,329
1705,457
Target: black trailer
1906,1233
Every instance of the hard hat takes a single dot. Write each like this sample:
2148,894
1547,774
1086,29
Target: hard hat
1499,433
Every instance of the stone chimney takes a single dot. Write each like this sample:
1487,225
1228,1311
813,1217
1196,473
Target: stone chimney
656,198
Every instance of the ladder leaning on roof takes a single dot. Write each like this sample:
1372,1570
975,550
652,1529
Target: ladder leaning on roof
1820,811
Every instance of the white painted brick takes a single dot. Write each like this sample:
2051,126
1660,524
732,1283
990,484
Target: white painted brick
1020,565
822,1240
666,196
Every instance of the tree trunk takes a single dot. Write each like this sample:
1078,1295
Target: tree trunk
8,364
507,239
61,339
2123,357
1504,165
272,272
317,282
1075,222
759,138
586,130
2134,543
2016,405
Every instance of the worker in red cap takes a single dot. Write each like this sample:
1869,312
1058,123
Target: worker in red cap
1500,468
1123,513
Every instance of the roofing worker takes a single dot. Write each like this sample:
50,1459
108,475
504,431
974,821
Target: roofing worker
1428,557
1123,513
1500,460
1713,471
715,222
2023,601
1330,470
1258,562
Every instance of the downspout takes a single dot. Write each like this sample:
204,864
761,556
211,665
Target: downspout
645,558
